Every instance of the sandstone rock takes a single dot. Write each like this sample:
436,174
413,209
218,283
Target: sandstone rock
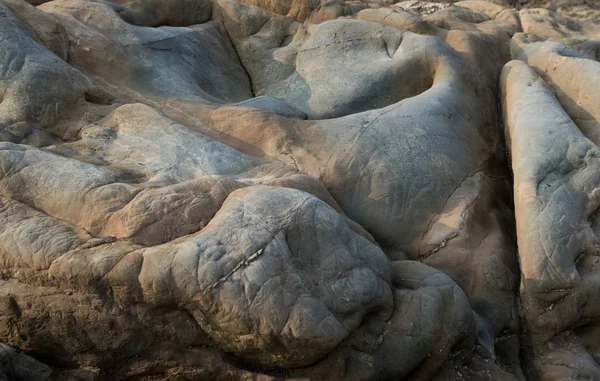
194,62
297,190
378,175
555,185
262,263
28,115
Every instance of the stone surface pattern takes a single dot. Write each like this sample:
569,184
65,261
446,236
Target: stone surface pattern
299,190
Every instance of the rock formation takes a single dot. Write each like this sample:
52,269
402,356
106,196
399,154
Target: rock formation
298,190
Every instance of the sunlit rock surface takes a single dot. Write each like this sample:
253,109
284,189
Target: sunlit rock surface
299,190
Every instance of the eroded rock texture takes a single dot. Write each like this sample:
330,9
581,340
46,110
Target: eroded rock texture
297,190
551,95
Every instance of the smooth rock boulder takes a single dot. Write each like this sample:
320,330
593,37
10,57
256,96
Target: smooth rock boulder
53,108
555,187
575,79
293,190
299,256
377,165
193,62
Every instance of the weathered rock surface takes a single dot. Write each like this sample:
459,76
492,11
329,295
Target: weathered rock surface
550,97
298,190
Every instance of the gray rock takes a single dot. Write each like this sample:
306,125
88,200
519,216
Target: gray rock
274,105
293,190
556,180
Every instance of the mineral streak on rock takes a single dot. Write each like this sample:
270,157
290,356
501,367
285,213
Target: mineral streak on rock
299,190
